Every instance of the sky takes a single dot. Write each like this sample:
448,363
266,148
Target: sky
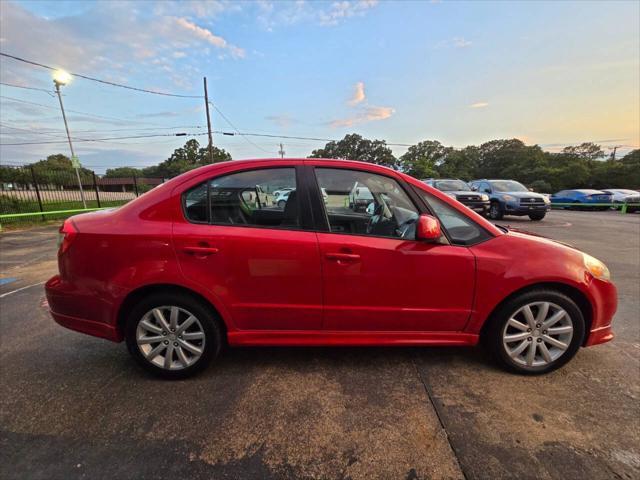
548,73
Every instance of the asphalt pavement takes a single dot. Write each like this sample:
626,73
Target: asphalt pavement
73,406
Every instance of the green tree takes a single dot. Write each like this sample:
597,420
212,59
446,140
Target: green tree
123,172
460,164
421,160
355,147
587,151
186,158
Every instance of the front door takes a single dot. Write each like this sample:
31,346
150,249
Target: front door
376,276
253,254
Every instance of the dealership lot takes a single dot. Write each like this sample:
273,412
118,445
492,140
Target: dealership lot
73,406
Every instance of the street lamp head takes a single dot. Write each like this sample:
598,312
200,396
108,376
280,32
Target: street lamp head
60,77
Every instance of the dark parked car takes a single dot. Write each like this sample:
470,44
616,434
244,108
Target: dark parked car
592,199
508,197
462,192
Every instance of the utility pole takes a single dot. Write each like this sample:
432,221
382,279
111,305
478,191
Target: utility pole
613,154
281,152
74,160
206,104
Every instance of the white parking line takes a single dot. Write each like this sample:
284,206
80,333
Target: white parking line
21,288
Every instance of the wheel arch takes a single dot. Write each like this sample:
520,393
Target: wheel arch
570,291
135,295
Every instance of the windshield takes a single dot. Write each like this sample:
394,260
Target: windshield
451,185
508,186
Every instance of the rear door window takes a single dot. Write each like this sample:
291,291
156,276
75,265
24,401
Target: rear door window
265,198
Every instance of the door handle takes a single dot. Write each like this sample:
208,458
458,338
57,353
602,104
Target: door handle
343,257
200,251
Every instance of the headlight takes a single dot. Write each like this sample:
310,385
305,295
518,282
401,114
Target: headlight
484,198
596,268
509,198
546,200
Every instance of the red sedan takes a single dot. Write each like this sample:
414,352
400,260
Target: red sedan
358,255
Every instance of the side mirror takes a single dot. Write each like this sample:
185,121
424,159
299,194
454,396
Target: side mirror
428,228
531,190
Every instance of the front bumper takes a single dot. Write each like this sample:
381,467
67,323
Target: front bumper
520,209
478,206
604,301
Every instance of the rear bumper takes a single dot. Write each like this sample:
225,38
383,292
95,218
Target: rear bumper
89,327
65,300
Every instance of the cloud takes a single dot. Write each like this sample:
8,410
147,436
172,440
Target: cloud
358,94
460,42
280,120
455,42
275,14
207,36
340,11
139,42
367,114
479,105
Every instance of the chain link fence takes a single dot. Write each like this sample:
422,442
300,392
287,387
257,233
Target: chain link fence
30,189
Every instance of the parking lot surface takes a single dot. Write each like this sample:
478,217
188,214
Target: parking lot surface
73,406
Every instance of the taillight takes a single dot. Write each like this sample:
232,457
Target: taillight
66,235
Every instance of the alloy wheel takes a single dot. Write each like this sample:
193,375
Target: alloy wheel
537,334
170,337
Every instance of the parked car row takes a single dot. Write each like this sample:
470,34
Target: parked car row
497,198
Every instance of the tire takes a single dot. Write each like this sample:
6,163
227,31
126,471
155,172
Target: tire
281,204
205,333
495,211
504,340
536,217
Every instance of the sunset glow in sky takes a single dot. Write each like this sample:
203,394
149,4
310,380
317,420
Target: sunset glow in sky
549,73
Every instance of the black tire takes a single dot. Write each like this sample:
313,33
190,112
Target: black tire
281,204
536,217
206,317
497,323
495,211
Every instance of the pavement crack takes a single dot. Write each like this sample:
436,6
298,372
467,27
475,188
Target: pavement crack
438,412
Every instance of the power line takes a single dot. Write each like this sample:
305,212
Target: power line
103,117
106,82
236,129
27,88
49,130
110,138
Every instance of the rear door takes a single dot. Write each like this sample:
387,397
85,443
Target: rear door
376,276
259,259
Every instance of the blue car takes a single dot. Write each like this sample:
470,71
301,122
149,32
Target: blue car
583,198
508,197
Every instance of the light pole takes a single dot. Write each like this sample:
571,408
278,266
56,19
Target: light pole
60,77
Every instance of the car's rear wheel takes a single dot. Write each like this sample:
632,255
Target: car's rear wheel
172,335
536,332
536,217
495,211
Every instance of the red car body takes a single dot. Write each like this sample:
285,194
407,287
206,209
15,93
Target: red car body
295,287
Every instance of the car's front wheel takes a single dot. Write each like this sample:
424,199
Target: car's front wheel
495,211
172,335
536,332
536,217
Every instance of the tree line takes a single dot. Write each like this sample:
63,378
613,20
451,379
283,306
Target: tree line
580,166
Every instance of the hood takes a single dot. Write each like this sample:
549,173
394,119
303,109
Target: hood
461,192
522,194
536,236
